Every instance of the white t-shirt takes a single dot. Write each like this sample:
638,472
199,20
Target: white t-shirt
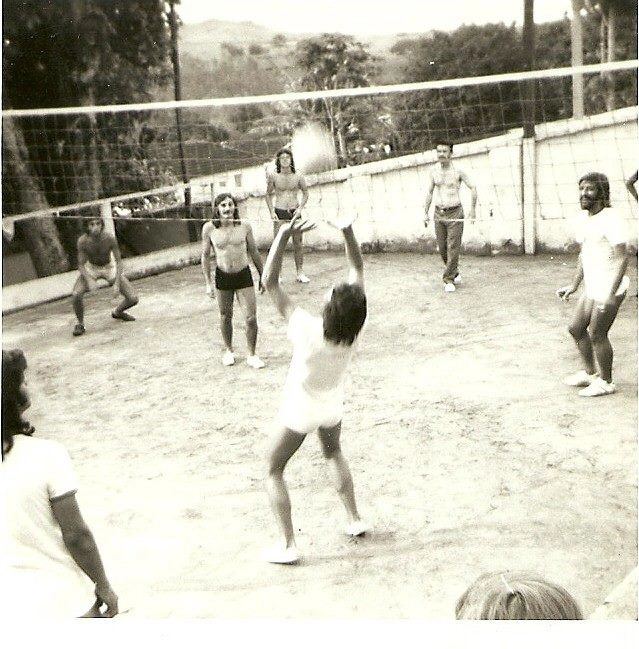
598,236
318,367
42,579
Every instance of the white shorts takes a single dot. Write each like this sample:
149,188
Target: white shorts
107,272
304,414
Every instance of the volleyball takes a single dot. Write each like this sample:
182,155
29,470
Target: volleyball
313,149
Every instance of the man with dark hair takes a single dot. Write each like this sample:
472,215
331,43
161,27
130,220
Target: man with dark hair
445,181
99,258
630,185
603,260
286,185
314,390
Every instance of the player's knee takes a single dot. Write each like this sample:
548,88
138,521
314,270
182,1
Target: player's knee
251,321
576,331
598,336
134,299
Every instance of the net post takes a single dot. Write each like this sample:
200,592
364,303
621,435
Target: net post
107,217
529,194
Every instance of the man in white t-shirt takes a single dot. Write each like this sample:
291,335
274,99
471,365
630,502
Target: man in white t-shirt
314,390
603,261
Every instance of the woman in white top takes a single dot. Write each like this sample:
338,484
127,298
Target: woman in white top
314,391
53,566
602,266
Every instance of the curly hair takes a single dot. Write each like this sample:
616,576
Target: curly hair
85,222
14,399
505,595
217,222
278,166
602,184
344,314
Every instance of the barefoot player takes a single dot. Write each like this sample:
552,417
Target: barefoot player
314,390
99,258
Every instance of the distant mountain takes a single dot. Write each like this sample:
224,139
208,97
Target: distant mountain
204,40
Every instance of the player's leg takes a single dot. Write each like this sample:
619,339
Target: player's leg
600,323
441,237
77,295
130,299
331,448
453,244
225,304
283,445
246,298
298,256
578,329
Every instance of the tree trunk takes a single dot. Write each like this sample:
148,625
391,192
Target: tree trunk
39,234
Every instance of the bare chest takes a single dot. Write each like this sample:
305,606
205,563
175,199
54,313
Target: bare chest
448,178
228,237
285,182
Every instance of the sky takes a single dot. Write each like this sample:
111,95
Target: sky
369,16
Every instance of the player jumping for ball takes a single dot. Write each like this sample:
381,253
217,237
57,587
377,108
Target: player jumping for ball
314,390
286,184
99,258
445,181
233,242
602,265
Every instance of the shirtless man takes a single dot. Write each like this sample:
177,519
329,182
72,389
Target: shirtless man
233,242
286,184
99,258
446,181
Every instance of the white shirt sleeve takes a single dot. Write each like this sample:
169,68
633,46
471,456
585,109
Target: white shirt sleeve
616,231
299,326
61,476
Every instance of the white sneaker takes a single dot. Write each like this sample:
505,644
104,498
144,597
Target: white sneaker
457,279
228,358
255,362
281,555
358,528
302,279
580,379
449,287
598,388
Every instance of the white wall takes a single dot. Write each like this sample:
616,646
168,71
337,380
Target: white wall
388,195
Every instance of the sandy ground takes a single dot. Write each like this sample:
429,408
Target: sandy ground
467,451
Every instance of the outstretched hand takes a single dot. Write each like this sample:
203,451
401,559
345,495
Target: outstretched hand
565,292
298,224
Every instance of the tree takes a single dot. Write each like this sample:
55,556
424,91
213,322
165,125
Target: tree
330,62
80,53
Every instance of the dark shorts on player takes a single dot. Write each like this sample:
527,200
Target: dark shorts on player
233,281
284,215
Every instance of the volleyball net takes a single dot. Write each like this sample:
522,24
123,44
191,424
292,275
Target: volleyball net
165,161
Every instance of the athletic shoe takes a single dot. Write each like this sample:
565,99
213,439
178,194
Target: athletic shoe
598,388
580,379
357,528
457,279
282,555
255,362
449,287
121,315
79,329
302,279
228,358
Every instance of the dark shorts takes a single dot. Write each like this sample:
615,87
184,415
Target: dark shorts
233,281
284,215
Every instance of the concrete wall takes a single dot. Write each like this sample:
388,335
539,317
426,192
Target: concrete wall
388,195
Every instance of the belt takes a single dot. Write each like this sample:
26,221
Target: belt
447,209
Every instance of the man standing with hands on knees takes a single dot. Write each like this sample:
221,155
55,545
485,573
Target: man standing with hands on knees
314,391
445,181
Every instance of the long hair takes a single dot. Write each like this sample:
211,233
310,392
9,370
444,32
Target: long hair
602,184
217,222
506,595
278,166
344,314
14,400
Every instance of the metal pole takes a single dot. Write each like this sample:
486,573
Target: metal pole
577,59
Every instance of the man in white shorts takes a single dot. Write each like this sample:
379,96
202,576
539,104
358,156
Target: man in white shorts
314,390
99,258
603,261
